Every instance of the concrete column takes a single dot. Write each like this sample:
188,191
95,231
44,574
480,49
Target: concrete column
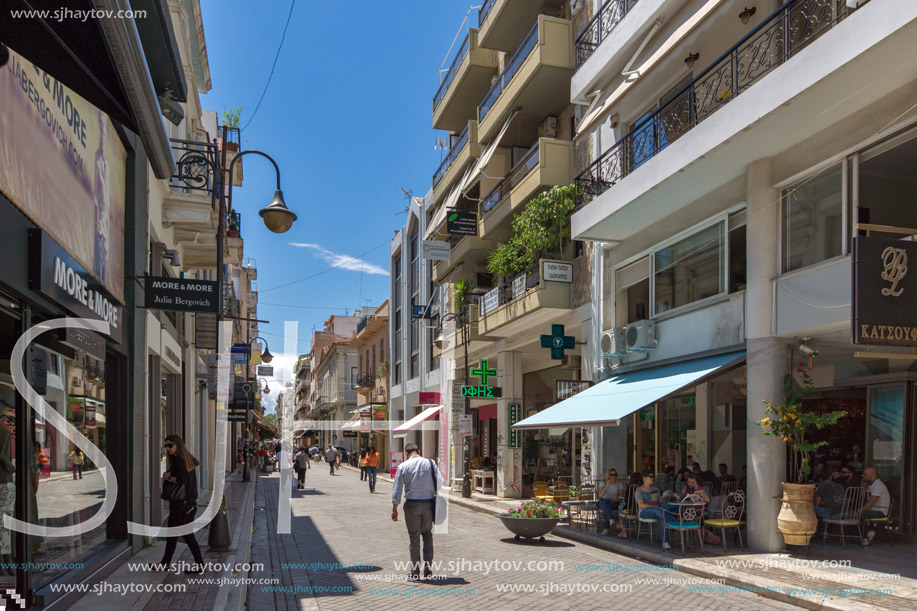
509,471
766,358
703,447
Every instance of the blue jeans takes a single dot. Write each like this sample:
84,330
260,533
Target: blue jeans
870,514
657,514
371,476
610,513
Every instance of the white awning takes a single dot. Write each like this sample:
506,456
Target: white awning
414,422
487,155
440,217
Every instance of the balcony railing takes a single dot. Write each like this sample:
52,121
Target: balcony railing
450,75
786,32
512,66
196,168
365,321
485,11
453,153
600,27
522,169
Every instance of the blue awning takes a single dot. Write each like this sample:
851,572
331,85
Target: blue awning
606,403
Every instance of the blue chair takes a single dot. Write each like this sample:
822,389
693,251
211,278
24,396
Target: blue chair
687,518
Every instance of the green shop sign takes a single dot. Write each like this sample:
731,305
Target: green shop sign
482,391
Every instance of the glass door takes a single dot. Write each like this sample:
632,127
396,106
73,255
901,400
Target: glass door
885,438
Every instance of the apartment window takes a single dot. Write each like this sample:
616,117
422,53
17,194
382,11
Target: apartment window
813,212
374,360
690,269
354,374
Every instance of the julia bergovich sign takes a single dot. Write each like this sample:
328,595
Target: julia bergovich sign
181,294
884,290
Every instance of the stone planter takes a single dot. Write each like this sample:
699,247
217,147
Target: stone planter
797,521
530,528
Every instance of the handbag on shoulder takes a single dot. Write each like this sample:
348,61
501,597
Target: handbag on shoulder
172,492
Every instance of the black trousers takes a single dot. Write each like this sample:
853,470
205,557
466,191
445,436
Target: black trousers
178,517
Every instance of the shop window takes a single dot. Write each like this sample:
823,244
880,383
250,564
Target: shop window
886,183
812,213
632,283
690,270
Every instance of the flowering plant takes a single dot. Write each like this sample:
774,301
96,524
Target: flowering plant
792,424
535,509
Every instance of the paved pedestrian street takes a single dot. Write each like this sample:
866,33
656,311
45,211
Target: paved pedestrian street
344,553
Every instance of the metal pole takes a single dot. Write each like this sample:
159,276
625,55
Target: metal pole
221,232
466,480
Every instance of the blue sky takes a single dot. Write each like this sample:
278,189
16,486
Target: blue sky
347,116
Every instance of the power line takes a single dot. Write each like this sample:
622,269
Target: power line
288,305
276,57
325,271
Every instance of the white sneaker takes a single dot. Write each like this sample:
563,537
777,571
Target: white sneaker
869,537
666,546
605,533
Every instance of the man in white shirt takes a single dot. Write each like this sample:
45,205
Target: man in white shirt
878,500
421,480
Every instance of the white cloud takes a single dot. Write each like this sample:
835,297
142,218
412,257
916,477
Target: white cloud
339,261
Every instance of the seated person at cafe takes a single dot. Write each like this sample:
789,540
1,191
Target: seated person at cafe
878,500
695,467
649,502
829,497
609,496
692,486
850,478
724,474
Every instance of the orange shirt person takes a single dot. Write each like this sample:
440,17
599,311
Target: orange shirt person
372,463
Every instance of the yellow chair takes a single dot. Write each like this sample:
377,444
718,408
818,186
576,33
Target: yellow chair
731,517
540,491
883,522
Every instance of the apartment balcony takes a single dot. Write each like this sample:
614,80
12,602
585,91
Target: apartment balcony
547,164
535,79
502,24
190,205
465,148
455,341
812,68
466,81
527,302
468,251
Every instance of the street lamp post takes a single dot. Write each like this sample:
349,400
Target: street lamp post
277,218
456,316
266,357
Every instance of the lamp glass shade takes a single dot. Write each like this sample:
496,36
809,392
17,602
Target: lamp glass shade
277,217
438,342
266,356
267,389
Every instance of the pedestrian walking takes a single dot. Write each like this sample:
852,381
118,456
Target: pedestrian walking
302,464
76,462
372,464
420,479
331,455
182,466
362,464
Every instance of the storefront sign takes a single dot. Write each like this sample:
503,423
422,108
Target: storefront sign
181,294
219,368
236,416
513,411
429,398
56,274
349,433
242,396
76,410
90,415
555,271
380,417
266,370
366,423
558,342
83,340
205,331
395,459
435,250
464,423
482,391
443,455
884,292
461,222
64,167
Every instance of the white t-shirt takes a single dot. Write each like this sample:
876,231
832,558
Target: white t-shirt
877,488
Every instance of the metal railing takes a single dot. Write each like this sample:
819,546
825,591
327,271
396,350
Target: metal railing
196,168
453,153
450,74
600,27
512,66
522,169
485,11
774,41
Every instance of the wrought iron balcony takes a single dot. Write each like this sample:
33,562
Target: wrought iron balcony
197,168
512,66
450,158
774,41
600,27
522,169
450,75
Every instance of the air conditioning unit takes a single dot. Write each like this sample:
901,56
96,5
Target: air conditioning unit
480,283
548,129
77,382
572,361
612,343
640,336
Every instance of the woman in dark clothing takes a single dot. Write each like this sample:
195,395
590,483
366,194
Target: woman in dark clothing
182,466
711,482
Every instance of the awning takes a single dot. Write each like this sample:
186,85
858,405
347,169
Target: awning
487,155
414,422
440,217
606,403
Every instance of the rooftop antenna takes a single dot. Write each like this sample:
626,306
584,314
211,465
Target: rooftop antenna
408,195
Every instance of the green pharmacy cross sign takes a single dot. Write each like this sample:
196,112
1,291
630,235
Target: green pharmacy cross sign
484,373
557,342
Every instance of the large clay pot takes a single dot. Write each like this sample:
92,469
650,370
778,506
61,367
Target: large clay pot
797,521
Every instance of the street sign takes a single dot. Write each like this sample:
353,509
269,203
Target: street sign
181,294
557,271
462,222
436,250
515,437
421,311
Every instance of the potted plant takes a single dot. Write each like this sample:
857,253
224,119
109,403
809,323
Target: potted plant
797,521
233,225
231,118
531,519
383,368
460,291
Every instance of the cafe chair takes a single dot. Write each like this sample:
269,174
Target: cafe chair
729,487
630,509
540,491
883,522
853,500
590,514
687,518
561,493
731,517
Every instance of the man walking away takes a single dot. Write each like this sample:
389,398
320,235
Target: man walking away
331,455
417,475
302,463
372,464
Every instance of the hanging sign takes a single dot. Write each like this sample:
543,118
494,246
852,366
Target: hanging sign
181,294
266,370
884,291
558,342
513,411
436,250
464,424
462,222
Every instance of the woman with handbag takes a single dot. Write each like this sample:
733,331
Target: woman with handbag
179,487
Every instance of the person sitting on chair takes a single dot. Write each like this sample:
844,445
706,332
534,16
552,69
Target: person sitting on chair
878,500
